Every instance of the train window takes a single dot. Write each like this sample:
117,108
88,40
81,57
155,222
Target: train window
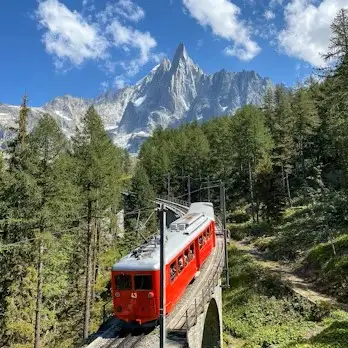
143,282
173,271
181,263
123,282
186,257
192,252
200,242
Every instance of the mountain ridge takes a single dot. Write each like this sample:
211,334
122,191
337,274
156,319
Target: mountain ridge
173,92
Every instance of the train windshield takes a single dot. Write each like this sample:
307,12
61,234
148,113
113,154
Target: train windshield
123,282
143,282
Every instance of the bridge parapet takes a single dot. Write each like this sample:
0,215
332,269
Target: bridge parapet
199,301
175,200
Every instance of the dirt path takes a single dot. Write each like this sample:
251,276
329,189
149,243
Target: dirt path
297,284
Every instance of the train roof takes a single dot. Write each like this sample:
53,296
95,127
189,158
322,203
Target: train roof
179,234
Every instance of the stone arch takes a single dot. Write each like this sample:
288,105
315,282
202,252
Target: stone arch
211,331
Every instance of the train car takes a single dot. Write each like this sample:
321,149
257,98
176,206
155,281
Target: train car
136,277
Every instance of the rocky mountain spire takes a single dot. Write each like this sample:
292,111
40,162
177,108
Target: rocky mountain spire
181,58
170,94
180,54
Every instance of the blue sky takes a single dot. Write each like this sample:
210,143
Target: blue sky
82,47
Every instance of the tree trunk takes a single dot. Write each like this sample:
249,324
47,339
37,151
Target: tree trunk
38,297
251,192
94,258
302,158
87,313
283,177
97,251
288,188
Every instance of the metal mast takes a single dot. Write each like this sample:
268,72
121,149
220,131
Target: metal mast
162,277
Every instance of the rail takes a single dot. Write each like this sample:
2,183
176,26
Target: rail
179,207
175,200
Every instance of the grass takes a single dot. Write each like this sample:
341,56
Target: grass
311,237
334,334
259,311
327,265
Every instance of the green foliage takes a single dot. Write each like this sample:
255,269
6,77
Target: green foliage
327,263
239,231
333,335
259,309
141,196
43,193
238,216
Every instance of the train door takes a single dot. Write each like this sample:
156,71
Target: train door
144,293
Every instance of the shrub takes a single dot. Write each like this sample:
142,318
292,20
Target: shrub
238,216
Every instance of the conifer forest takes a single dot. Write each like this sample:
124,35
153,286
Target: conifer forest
285,168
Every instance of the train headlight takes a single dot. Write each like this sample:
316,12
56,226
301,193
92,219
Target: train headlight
150,295
117,294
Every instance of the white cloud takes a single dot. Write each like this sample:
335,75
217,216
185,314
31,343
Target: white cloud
223,18
127,37
104,86
125,9
69,37
129,10
307,32
269,15
119,82
267,32
73,38
199,44
274,3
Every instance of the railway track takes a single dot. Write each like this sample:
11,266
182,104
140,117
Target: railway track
125,342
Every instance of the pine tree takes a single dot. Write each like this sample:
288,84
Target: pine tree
140,202
281,125
98,164
16,146
23,119
306,123
337,74
45,144
252,147
269,108
154,156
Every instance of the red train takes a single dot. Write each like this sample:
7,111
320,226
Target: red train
136,277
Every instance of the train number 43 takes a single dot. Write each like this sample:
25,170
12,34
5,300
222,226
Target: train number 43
134,295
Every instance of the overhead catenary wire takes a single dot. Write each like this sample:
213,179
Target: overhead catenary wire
152,208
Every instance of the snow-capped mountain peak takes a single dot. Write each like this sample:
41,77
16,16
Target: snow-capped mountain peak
173,92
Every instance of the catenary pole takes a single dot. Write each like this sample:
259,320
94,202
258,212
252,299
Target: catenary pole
162,277
223,211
